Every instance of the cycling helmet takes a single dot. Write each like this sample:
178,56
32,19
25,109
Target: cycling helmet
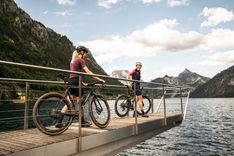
138,63
82,49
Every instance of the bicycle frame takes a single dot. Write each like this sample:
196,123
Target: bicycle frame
83,99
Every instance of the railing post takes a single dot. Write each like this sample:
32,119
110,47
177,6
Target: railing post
181,102
128,89
152,102
80,115
26,107
135,110
164,105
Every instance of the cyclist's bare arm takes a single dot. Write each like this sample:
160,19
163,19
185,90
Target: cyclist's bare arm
86,69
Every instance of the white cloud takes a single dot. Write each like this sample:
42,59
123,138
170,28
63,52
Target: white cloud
158,37
216,16
107,3
225,57
63,13
66,2
147,2
220,38
218,59
173,3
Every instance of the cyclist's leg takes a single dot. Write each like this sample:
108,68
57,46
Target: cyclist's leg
136,100
140,102
59,123
139,93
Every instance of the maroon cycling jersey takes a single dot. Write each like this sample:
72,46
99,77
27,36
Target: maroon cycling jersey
136,74
77,65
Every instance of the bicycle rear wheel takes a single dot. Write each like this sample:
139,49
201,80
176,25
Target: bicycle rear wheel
122,105
99,111
146,105
47,113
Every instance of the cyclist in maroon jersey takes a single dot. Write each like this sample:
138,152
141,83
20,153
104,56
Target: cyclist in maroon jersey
136,75
77,64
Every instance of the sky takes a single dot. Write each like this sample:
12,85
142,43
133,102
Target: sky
167,36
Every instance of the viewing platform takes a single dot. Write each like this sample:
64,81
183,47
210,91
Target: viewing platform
120,134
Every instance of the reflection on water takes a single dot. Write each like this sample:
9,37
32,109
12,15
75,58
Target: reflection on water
207,130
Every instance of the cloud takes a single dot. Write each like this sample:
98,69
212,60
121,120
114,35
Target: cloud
66,2
148,2
218,59
225,57
220,38
107,3
173,3
63,13
155,38
216,16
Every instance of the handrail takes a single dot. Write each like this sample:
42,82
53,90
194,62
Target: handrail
186,105
62,83
82,73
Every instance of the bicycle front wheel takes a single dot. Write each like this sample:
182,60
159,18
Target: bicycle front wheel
47,114
122,105
99,111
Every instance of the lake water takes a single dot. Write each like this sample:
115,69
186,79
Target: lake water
207,130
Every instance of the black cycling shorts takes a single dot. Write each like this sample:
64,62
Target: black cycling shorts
74,86
138,89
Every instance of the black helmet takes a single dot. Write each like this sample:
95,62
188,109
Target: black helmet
82,49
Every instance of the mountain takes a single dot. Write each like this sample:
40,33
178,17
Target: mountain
168,80
185,78
25,40
120,74
192,79
221,85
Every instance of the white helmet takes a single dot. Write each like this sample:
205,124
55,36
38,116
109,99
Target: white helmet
138,63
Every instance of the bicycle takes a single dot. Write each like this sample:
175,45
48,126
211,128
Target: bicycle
125,103
47,110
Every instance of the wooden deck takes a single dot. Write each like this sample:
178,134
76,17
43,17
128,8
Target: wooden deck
32,141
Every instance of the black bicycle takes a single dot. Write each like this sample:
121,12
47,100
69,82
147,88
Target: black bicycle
125,103
47,110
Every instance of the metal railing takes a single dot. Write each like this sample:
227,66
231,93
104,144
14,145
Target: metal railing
160,86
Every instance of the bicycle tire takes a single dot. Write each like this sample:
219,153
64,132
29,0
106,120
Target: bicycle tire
37,121
91,111
125,106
